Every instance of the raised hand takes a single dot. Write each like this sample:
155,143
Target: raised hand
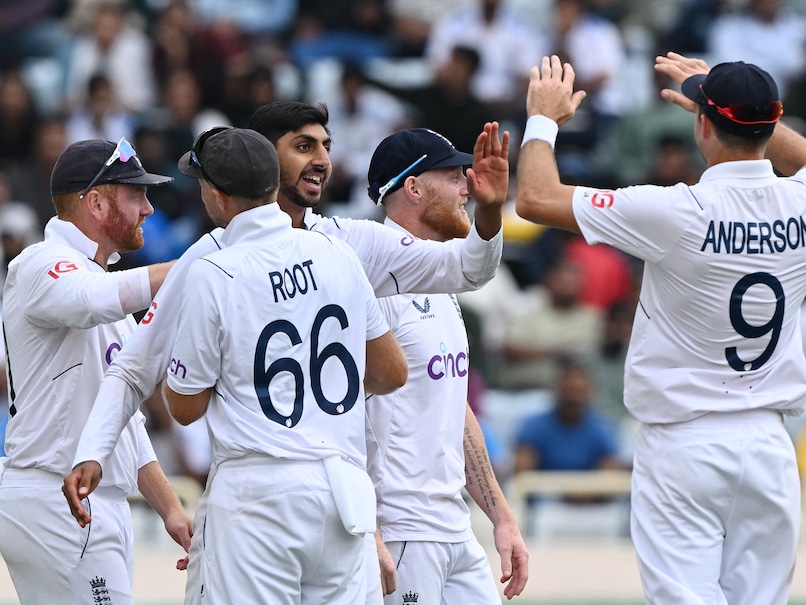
679,68
488,179
551,91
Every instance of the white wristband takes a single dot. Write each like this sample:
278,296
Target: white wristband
540,128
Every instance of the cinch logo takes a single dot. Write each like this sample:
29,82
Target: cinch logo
114,349
453,366
176,367
603,199
407,241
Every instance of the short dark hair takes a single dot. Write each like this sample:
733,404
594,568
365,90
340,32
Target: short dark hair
468,54
735,141
275,119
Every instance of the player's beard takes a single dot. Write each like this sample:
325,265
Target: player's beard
448,221
125,236
294,194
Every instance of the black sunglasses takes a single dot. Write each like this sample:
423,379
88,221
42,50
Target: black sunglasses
198,146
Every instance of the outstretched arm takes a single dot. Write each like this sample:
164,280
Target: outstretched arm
488,179
483,487
541,197
786,148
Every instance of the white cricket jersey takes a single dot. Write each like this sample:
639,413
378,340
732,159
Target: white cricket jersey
717,327
415,435
393,263
65,320
397,263
277,323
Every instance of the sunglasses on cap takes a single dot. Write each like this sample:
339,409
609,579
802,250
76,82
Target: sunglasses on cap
377,192
196,151
123,152
747,113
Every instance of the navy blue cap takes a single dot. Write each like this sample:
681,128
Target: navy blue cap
81,162
410,153
744,99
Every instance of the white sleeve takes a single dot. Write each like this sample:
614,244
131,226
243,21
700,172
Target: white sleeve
645,221
198,347
397,263
142,363
145,451
61,292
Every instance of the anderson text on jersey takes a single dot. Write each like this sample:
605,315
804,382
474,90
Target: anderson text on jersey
762,237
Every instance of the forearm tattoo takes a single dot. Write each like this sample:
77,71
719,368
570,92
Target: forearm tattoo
479,471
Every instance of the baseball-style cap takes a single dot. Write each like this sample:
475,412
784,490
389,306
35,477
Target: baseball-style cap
95,162
739,98
410,153
237,161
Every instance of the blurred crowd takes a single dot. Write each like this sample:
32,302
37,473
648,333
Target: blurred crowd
159,72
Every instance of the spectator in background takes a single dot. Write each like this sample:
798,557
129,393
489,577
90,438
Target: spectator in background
19,227
256,18
121,51
448,104
507,46
31,28
572,435
18,117
538,340
351,31
607,274
608,372
29,178
595,46
690,30
181,113
673,161
176,37
634,140
766,33
101,117
413,20
248,91
360,117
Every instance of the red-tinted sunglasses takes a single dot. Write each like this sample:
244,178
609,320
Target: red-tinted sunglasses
747,113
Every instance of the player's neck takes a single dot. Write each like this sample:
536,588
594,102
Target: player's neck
295,211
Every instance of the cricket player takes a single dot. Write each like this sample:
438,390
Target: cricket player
716,358
275,333
65,318
424,442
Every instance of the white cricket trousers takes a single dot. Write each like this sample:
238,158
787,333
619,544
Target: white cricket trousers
194,587
50,558
443,573
273,535
716,510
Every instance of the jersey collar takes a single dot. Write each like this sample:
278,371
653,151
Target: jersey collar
66,233
311,219
394,225
741,169
256,224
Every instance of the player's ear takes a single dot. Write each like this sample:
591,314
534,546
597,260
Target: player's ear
415,189
222,200
95,203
